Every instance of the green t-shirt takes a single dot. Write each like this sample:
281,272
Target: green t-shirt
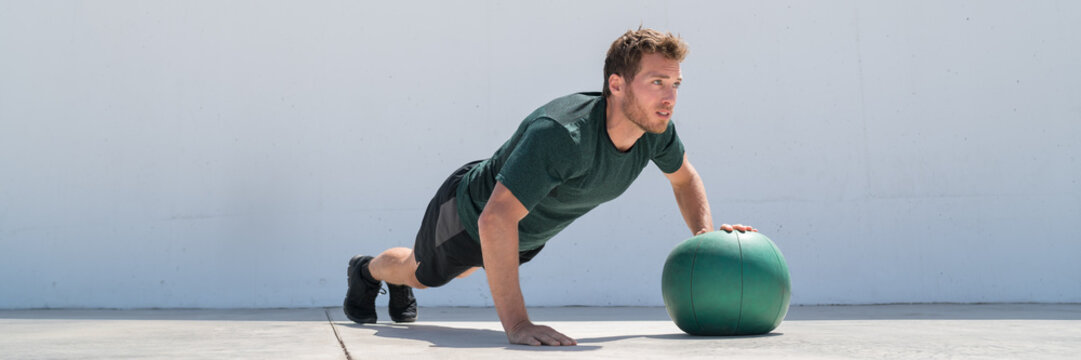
560,164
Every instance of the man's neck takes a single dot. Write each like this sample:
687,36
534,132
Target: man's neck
621,130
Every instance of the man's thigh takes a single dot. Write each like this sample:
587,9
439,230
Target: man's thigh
440,264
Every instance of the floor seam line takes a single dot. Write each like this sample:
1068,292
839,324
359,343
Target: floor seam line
336,335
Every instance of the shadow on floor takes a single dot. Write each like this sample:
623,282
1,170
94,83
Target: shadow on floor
450,337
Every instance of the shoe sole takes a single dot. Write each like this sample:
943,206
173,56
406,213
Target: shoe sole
404,320
360,320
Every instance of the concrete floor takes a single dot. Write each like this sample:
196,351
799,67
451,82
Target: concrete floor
995,331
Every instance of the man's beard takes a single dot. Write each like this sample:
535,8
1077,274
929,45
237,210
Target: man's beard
637,115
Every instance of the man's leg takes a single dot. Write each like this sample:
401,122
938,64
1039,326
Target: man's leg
398,266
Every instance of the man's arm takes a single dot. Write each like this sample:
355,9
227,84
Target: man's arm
498,229
691,197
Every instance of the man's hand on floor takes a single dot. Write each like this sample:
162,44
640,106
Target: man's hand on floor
526,333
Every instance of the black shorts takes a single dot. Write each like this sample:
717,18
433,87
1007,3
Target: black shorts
444,249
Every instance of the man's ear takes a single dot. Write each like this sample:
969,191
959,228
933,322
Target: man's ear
615,83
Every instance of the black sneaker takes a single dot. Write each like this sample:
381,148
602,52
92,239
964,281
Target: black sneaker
403,306
359,303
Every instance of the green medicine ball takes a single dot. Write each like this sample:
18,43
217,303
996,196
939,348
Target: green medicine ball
722,283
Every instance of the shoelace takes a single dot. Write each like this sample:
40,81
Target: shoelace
381,291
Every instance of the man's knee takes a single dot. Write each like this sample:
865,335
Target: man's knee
414,283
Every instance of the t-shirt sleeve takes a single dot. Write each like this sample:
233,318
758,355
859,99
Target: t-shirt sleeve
668,151
543,159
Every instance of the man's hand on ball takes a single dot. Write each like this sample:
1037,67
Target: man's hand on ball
737,227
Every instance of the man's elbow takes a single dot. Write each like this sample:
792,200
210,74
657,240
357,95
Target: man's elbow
485,221
490,220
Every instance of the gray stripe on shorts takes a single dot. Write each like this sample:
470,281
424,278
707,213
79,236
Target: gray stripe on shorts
448,223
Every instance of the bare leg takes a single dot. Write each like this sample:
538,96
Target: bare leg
397,266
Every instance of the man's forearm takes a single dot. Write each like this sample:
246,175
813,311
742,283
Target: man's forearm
499,247
694,205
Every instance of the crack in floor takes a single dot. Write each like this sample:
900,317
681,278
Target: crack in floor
336,334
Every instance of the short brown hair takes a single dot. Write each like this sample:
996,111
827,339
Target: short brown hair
625,55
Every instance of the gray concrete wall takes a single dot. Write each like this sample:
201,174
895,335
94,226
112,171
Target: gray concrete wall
236,154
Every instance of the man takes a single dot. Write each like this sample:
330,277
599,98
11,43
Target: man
566,158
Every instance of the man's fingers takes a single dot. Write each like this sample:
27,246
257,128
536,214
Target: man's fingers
565,340
555,338
526,339
738,227
548,340
540,335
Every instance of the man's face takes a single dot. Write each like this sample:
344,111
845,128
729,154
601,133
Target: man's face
651,96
